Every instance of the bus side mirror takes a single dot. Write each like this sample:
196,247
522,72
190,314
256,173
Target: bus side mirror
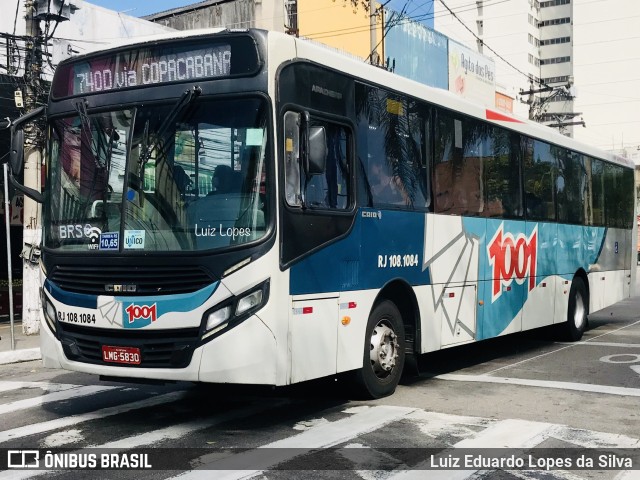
316,160
16,154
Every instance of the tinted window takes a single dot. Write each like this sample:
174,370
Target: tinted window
539,167
619,199
459,150
597,193
501,168
331,189
628,183
571,184
392,134
477,169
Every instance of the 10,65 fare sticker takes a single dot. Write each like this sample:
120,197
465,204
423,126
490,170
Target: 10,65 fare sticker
397,261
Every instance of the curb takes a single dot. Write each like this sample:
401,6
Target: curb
22,355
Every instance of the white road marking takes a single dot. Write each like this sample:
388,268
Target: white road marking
563,348
182,429
307,424
60,439
155,436
580,387
591,439
627,475
601,344
535,475
434,424
512,433
320,436
50,387
51,397
621,358
64,422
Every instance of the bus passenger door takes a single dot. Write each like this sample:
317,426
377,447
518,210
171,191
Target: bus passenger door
544,285
458,314
509,260
314,338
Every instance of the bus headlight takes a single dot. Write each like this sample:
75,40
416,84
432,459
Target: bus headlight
249,302
235,309
49,312
218,317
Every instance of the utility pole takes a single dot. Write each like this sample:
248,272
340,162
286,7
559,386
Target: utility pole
537,106
32,232
531,99
375,57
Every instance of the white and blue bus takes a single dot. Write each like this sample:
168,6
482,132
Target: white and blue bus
248,207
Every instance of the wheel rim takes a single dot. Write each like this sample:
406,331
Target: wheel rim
579,311
383,350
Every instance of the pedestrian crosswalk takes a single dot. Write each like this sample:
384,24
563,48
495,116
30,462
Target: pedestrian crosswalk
253,436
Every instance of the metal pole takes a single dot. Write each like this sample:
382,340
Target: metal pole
372,32
7,204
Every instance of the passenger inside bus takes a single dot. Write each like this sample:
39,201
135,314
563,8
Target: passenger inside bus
181,179
386,189
222,180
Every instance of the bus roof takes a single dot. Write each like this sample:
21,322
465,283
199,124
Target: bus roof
321,54
370,74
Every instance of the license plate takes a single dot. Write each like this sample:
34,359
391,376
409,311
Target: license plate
127,355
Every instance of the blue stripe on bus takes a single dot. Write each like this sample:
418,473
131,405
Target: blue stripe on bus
368,257
69,298
362,260
183,302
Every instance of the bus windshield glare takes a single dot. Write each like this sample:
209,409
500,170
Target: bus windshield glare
157,178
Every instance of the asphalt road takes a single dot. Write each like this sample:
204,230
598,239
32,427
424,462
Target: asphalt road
520,392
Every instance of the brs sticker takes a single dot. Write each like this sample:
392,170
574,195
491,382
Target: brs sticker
512,258
135,313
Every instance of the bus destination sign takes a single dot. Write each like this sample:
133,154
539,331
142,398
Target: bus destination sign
179,61
119,72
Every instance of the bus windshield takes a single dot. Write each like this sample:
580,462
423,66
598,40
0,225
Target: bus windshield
158,178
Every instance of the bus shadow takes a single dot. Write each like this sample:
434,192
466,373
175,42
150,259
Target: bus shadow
495,350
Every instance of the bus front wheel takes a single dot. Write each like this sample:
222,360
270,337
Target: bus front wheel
577,311
383,357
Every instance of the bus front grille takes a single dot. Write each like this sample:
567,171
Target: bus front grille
158,348
148,280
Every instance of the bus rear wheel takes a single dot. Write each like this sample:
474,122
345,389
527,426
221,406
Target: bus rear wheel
578,310
383,356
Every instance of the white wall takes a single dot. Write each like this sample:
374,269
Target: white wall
91,27
606,52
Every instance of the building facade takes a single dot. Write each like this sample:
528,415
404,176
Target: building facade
580,48
341,24
67,28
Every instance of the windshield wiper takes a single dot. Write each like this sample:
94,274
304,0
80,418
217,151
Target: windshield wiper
101,150
183,102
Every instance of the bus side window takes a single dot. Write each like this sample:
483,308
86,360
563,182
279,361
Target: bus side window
459,153
292,159
394,149
331,189
539,181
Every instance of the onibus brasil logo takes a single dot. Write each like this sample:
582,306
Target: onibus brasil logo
512,258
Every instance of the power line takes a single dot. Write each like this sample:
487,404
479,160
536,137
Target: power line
482,42
352,30
406,19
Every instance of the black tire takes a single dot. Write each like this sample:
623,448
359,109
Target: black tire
383,356
577,312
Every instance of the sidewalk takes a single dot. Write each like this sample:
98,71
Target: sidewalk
27,347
